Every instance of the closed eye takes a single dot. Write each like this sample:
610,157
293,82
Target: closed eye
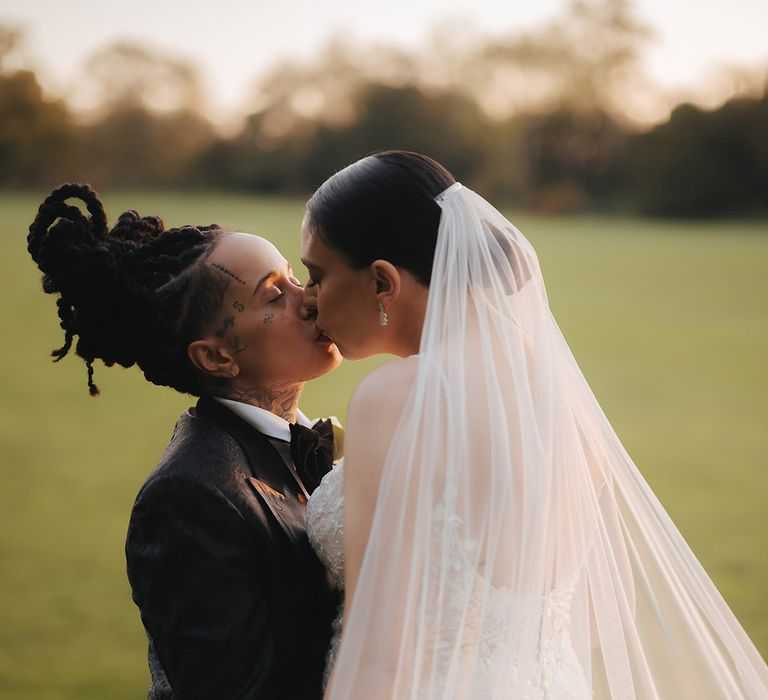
313,271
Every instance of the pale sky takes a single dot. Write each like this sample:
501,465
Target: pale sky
233,40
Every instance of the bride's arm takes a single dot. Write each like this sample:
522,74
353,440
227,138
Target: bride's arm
363,463
374,411
372,417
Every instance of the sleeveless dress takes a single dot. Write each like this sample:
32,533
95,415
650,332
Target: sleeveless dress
558,674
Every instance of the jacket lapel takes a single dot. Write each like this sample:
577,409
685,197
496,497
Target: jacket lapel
271,477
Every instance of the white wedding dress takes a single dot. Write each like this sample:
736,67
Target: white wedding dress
515,551
558,675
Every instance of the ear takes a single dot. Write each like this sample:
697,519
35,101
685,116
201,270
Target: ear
212,358
387,280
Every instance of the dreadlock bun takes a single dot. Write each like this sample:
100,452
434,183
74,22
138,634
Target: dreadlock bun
138,294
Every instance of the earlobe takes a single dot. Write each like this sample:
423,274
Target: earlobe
209,357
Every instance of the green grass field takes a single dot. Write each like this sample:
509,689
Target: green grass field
668,321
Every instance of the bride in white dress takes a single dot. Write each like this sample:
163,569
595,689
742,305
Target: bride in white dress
494,538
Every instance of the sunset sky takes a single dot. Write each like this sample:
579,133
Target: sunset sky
234,40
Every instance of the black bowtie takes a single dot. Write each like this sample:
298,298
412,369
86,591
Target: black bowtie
312,451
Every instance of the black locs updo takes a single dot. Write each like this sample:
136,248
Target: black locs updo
134,295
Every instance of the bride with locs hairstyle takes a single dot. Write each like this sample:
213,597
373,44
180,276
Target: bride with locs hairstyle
234,601
498,541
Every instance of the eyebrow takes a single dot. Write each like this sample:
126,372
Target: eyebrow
271,273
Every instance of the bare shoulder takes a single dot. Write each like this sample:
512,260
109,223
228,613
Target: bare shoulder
385,390
374,413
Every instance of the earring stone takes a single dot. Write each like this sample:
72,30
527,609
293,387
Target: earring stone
383,318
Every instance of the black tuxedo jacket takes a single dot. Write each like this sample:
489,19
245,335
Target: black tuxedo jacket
234,601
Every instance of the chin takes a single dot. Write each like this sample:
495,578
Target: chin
328,361
353,354
335,357
359,351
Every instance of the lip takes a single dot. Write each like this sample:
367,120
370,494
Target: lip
320,336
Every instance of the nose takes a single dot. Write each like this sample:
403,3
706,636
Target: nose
307,313
309,303
307,306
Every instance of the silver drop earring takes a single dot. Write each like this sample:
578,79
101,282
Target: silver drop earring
383,318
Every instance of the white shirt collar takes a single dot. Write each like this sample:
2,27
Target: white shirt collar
265,422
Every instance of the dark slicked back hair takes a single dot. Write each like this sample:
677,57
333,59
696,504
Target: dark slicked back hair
135,295
383,208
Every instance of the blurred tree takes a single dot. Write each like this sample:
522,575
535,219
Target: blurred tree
535,119
130,74
10,40
571,159
445,124
131,146
583,60
522,114
703,163
147,130
292,95
36,134
302,152
251,161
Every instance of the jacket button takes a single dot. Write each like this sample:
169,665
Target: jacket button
302,498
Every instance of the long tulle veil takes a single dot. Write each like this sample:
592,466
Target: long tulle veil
516,551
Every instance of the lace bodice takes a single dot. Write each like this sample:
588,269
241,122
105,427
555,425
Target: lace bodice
325,529
325,523
558,674
494,615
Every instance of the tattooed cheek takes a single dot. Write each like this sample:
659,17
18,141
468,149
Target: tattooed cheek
226,324
236,346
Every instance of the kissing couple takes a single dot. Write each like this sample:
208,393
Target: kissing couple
486,535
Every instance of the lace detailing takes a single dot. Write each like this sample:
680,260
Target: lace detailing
325,523
325,529
492,616
485,627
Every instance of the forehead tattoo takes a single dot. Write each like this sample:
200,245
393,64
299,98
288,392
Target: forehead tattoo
227,272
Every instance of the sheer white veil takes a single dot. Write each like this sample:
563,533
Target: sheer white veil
516,551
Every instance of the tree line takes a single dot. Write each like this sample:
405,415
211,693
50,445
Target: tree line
535,121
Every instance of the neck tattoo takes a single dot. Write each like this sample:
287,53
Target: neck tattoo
282,400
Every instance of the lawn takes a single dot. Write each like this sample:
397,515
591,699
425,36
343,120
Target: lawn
669,322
